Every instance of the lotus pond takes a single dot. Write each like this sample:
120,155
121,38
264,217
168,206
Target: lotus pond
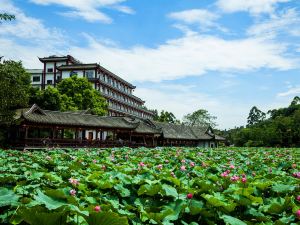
122,186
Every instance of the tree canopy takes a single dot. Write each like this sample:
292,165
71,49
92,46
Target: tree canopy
200,117
165,116
6,16
280,129
71,94
256,116
14,89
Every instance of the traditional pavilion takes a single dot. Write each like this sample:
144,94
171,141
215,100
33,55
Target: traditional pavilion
38,128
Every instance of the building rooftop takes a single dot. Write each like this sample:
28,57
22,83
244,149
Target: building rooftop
84,119
56,58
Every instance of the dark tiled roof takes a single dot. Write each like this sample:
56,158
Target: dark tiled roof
53,58
179,131
78,66
36,115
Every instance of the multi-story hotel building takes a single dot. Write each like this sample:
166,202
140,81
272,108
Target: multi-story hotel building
117,91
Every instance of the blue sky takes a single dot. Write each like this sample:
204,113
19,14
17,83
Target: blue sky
221,55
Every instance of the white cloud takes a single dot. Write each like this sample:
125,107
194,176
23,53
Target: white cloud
292,91
285,23
88,9
254,7
186,56
195,16
204,19
28,28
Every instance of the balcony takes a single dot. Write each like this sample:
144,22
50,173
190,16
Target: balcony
127,104
93,79
109,85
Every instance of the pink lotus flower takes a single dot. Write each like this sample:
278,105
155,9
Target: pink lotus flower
97,208
173,174
243,175
298,213
141,164
224,174
166,161
74,181
231,166
182,168
253,174
244,180
189,195
183,160
234,178
192,164
160,166
95,161
298,198
72,192
296,175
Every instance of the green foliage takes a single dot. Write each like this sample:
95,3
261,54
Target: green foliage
35,186
6,16
256,116
49,99
200,118
108,218
166,117
281,129
7,197
14,89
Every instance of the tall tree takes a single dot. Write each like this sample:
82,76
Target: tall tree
14,89
71,94
165,116
80,91
296,101
200,117
14,93
49,98
255,116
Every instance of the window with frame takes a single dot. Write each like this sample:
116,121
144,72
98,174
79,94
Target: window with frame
49,81
50,70
89,74
36,78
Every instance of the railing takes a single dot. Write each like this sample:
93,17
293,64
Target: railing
73,143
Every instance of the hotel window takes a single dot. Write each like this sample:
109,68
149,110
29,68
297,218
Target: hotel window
50,70
36,79
49,81
89,74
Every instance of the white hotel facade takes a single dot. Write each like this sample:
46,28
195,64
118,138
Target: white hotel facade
117,91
